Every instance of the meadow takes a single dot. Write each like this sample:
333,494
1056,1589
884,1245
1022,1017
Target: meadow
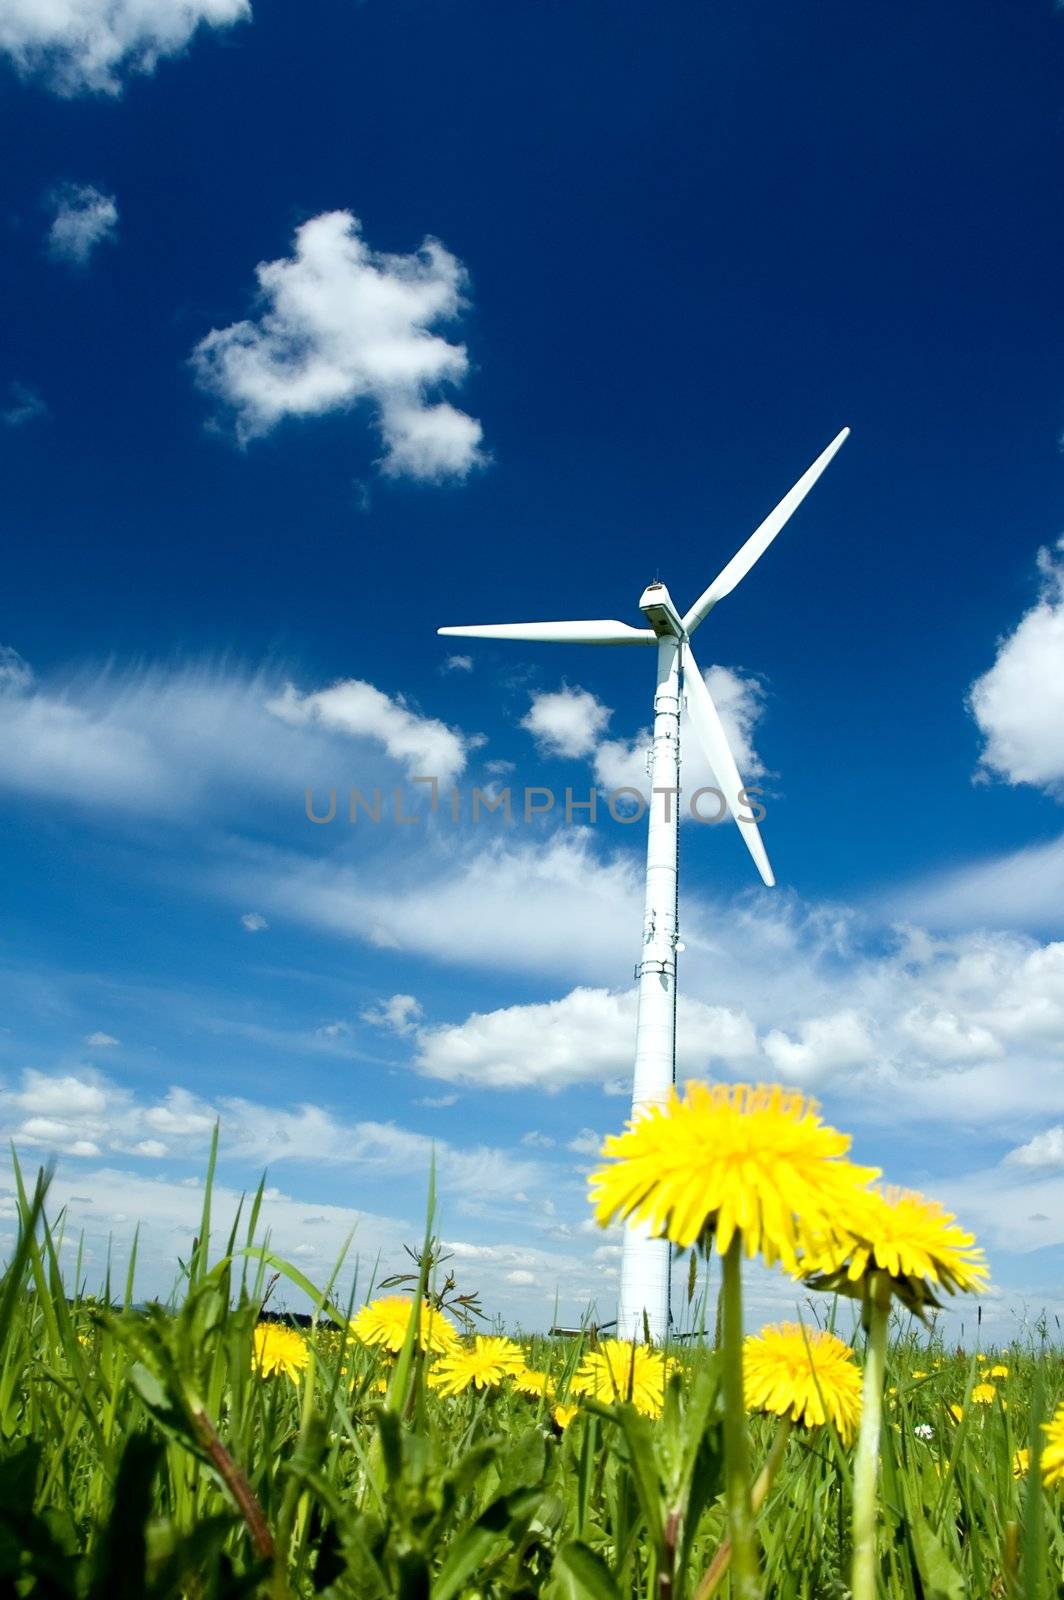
400,1448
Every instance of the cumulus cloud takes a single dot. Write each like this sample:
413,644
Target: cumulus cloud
824,1045
254,922
399,1014
572,722
566,722
458,664
24,404
87,46
1046,1149
84,218
100,1041
339,324
1019,703
586,1037
425,746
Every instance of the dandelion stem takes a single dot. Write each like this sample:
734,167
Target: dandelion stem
866,1464
746,1578
714,1575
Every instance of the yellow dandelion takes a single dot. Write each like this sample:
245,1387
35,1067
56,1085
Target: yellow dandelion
381,1386
1052,1460
620,1370
729,1159
957,1413
983,1394
534,1383
998,1371
916,1376
563,1415
384,1323
806,1374
1021,1463
918,1244
490,1360
279,1349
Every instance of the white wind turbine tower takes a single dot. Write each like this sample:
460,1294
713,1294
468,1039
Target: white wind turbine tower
644,1292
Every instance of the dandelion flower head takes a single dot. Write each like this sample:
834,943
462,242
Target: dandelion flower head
530,1382
1052,1460
806,1374
279,1349
484,1365
384,1322
917,1243
621,1370
730,1159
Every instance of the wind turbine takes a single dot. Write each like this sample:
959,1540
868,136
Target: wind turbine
644,1292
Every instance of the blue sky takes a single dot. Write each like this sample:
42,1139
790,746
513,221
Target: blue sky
550,300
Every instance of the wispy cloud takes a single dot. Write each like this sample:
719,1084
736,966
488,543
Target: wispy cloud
24,404
86,1115
179,743
85,217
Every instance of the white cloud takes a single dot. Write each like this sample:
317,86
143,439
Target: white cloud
84,218
425,746
1046,1149
85,1114
173,743
824,1045
400,1014
1022,889
254,922
586,1037
455,902
24,404
341,323
16,675
88,45
458,664
586,1143
572,722
566,722
1019,703
333,1030
100,1041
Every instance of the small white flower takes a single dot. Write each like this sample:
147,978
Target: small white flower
924,1430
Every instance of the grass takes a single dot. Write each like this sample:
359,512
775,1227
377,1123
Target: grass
143,1454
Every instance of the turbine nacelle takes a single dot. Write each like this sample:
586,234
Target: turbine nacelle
656,605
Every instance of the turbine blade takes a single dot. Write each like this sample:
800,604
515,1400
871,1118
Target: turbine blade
759,541
597,631
707,724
